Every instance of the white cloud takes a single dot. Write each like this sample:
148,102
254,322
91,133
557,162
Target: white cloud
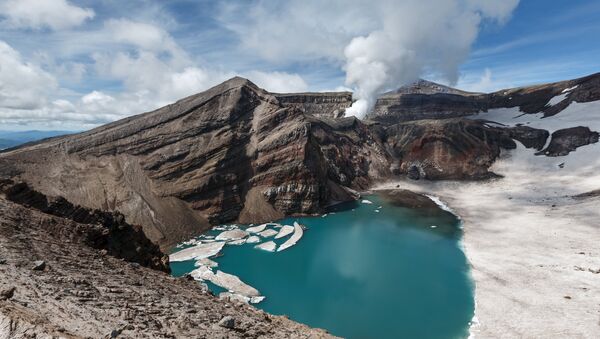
37,14
280,82
381,44
23,85
143,35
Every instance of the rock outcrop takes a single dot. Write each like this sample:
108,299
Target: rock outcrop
326,104
445,149
566,140
106,231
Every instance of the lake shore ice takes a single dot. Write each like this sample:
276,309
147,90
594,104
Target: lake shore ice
298,233
197,252
227,281
238,297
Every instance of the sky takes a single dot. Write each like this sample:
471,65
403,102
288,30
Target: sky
77,64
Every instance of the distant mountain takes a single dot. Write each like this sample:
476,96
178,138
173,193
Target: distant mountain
428,100
10,139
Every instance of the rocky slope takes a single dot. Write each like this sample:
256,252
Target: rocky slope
53,284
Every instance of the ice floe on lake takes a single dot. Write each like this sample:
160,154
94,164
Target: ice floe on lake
285,231
252,239
206,262
197,252
232,235
256,229
237,242
368,202
268,233
298,233
268,246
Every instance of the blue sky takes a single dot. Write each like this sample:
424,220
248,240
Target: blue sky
73,65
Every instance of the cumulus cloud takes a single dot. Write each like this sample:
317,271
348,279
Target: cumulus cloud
381,44
23,85
280,82
146,62
37,14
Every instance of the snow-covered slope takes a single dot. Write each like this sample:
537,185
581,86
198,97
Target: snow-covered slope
578,171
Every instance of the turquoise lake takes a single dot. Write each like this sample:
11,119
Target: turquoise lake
359,273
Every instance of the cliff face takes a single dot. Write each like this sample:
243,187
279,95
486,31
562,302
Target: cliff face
428,100
101,230
231,153
453,148
328,105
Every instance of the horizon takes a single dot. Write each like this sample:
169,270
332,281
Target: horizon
76,65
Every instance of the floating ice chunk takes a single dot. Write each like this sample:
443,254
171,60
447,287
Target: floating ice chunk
206,262
433,226
285,231
252,239
324,215
268,246
376,211
256,229
298,233
232,235
227,281
237,242
267,233
197,252
368,202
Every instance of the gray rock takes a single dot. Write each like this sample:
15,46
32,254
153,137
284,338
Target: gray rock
227,322
39,265
7,293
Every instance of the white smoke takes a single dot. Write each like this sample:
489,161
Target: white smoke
381,44
417,36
